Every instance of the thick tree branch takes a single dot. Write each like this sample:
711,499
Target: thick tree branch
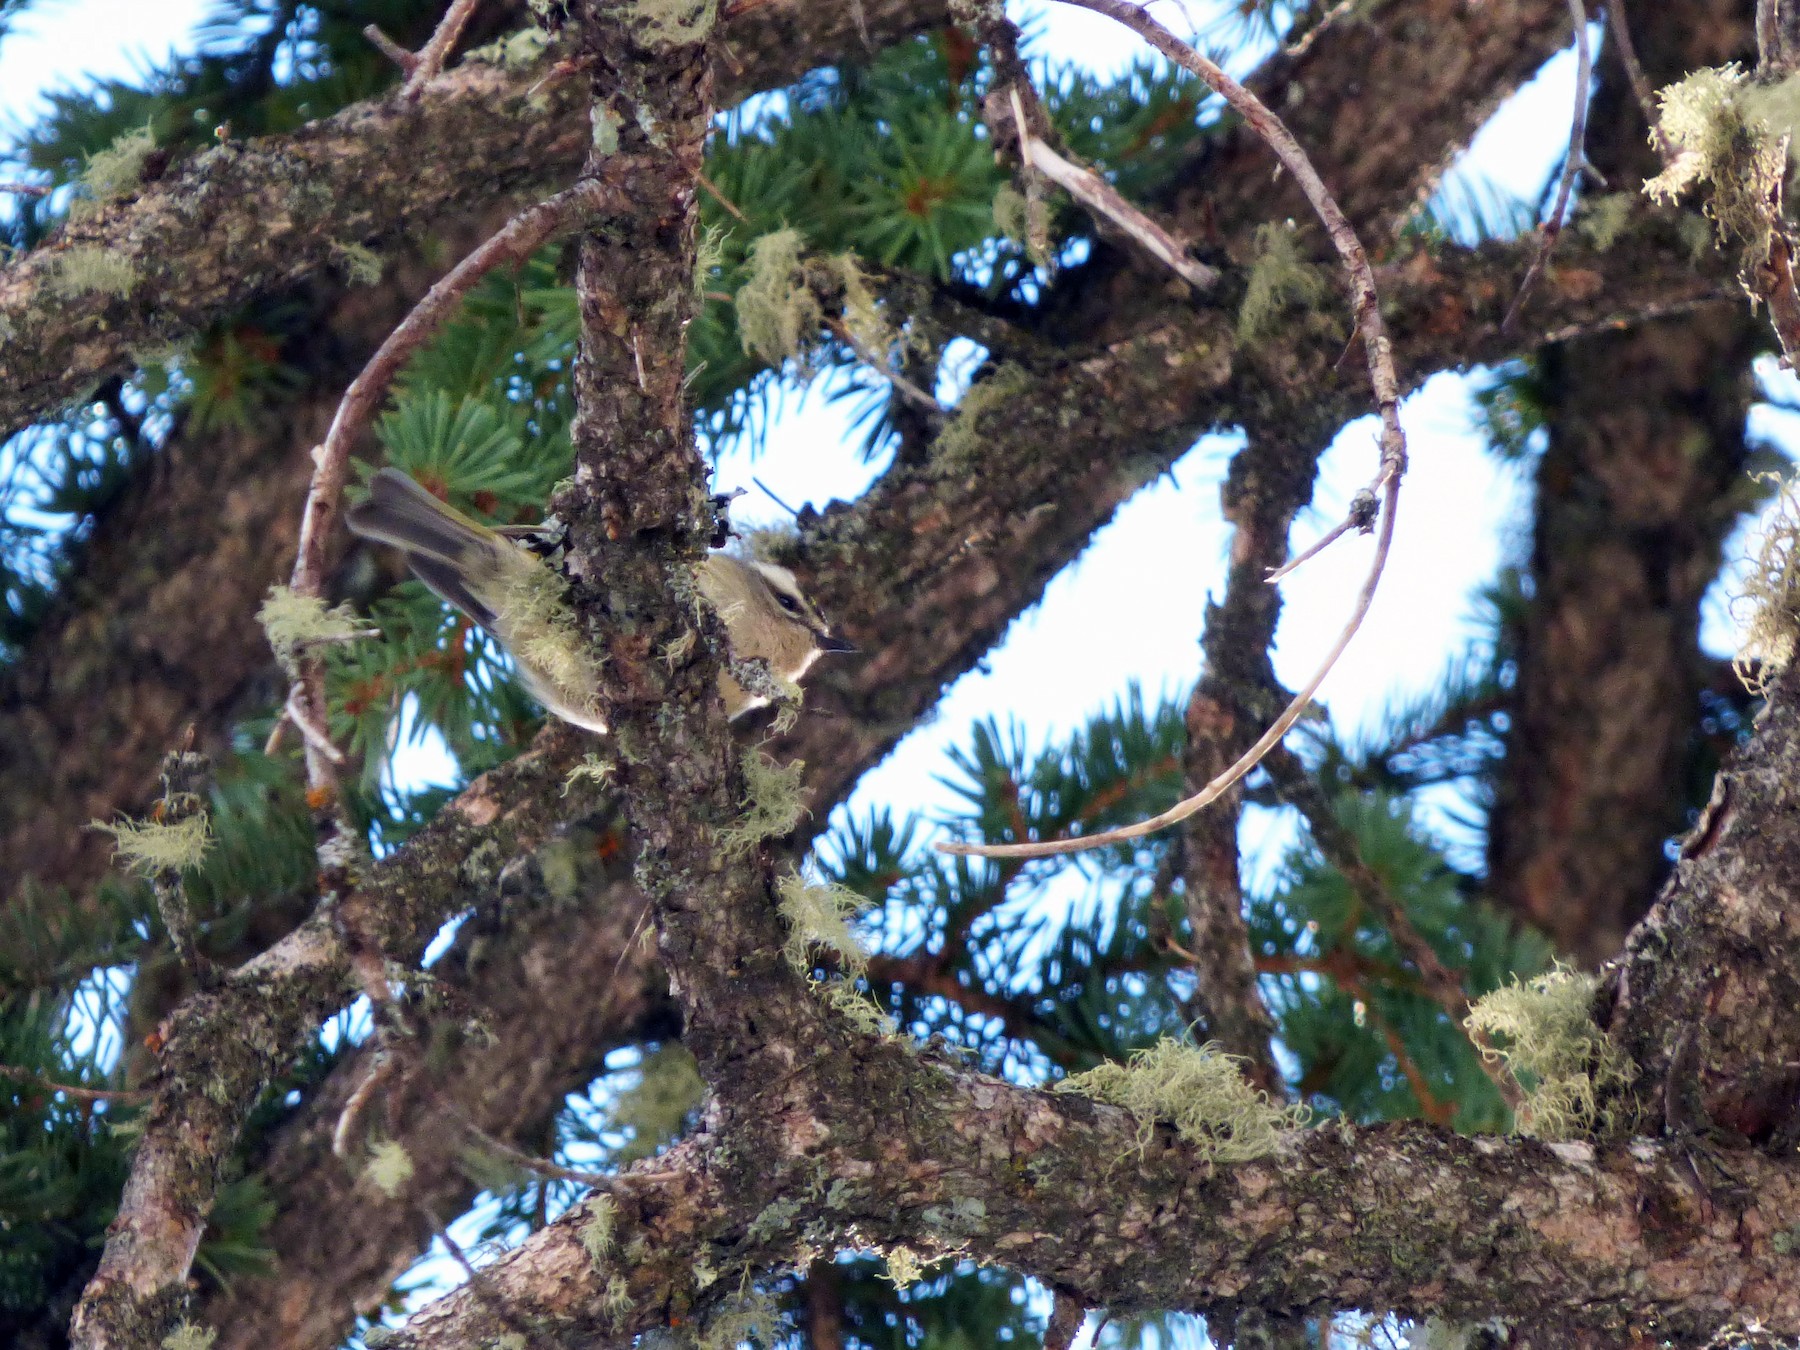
243,220
1573,1247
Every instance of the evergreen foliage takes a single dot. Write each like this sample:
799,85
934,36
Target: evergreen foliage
1035,971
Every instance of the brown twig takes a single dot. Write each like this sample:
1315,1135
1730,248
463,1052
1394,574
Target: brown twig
1100,197
1382,375
712,190
875,362
1361,516
27,189
391,49
383,1067
432,56
1618,32
80,1094
1572,162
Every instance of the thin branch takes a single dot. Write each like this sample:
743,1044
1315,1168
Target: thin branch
1100,197
1382,376
1768,34
391,49
712,190
81,1094
1572,162
27,189
1619,33
901,385
432,56
1361,516
383,1067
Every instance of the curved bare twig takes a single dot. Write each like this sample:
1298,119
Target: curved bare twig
1382,376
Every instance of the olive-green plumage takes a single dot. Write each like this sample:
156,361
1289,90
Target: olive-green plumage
517,597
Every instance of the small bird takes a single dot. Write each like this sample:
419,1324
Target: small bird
518,598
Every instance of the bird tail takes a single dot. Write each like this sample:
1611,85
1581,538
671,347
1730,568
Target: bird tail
398,511
445,549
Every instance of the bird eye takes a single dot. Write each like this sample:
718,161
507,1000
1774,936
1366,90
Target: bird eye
787,602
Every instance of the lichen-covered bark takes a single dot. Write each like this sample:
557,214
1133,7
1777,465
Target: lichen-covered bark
1634,498
553,969
877,1144
1706,999
220,1047
247,219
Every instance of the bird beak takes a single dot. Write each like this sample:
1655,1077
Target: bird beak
827,643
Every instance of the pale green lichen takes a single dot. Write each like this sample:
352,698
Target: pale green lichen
88,267
291,621
709,257
778,315
1767,603
592,769
904,1267
959,443
1199,1090
674,23
669,1086
753,1316
1280,277
1570,1070
598,1236
1603,219
362,265
773,799
150,847
389,1167
617,1299
1718,132
862,314
606,126
190,1336
513,52
774,1220
112,172
819,916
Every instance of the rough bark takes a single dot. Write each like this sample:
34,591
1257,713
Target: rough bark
250,219
875,1142
1634,498
154,631
1706,998
931,537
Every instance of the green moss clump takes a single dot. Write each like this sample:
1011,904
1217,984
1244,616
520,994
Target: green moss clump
1767,605
959,443
669,1086
189,1336
1570,1070
1197,1089
1604,218
1280,276
291,621
88,267
149,847
112,172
